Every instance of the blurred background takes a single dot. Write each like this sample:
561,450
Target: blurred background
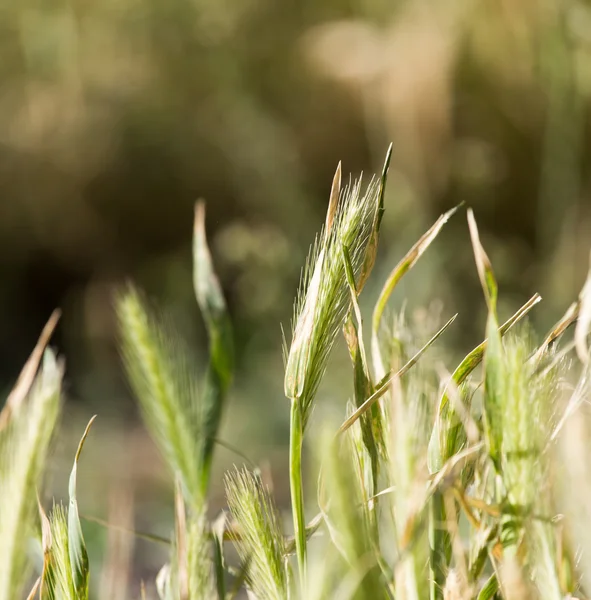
116,116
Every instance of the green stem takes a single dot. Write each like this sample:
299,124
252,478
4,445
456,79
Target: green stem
295,480
440,547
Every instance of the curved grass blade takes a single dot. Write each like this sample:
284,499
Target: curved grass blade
27,375
211,301
569,317
407,262
34,589
445,440
489,589
494,366
76,545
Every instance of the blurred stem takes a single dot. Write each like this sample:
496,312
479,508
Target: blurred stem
439,544
561,150
295,480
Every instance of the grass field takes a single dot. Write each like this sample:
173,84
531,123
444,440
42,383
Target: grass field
442,481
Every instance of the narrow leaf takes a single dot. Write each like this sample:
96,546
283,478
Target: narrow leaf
211,301
489,589
34,589
485,272
407,262
494,367
27,375
569,317
212,304
76,545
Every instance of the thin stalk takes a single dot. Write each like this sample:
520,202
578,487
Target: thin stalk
295,480
440,545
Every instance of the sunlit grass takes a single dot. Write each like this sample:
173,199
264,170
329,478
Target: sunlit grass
441,481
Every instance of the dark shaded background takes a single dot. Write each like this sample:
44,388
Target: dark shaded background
115,116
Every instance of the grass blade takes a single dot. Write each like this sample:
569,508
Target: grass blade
25,380
211,301
212,304
569,317
76,545
494,366
407,262
34,589
489,589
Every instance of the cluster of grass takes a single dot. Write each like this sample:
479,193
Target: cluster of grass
436,485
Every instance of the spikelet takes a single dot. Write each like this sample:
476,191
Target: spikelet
261,544
324,299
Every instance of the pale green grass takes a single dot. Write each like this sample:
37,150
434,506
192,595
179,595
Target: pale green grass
442,482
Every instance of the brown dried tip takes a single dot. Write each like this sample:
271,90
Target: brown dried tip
199,224
335,192
27,375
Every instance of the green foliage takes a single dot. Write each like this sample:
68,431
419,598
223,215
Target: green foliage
436,485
